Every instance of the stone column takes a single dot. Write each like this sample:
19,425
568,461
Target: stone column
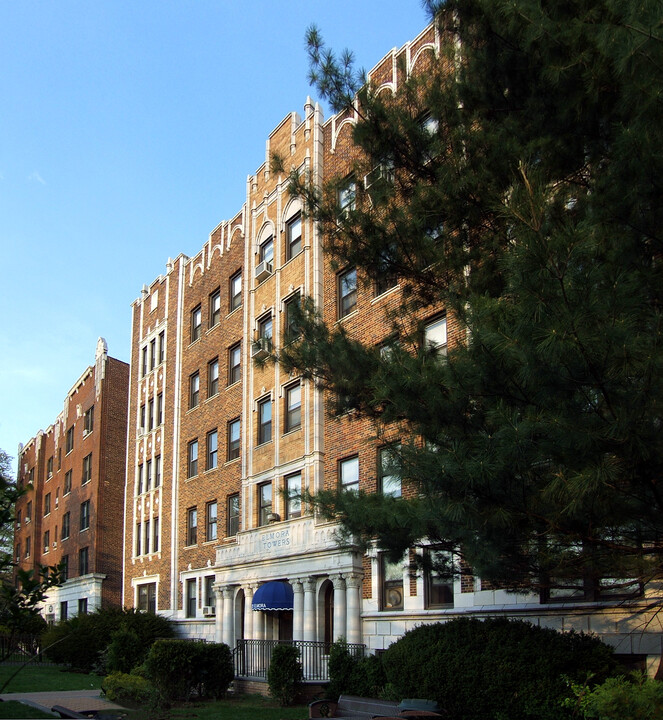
248,612
340,609
228,633
353,584
297,610
218,618
309,609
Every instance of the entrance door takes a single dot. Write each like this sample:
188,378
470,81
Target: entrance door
285,625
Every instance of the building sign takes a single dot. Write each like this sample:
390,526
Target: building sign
270,541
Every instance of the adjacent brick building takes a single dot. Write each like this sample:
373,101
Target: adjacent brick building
72,510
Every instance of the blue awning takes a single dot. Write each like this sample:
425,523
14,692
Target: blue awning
275,595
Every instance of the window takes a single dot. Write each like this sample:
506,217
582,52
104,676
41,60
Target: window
192,526
162,347
160,409
147,597
347,292
47,541
88,421
139,480
153,354
157,471
18,519
292,310
265,332
87,469
64,610
293,407
148,475
439,585
385,277
150,414
28,511
347,196
69,442
233,439
196,323
391,575
213,377
141,422
28,541
194,390
210,521
293,487
85,515
234,364
47,504
144,361
82,605
18,552
435,335
155,534
59,458
294,236
192,458
49,467
235,291
66,524
191,603
233,515
67,483
31,476
348,474
264,421
139,538
215,308
209,591
266,251
83,561
264,503
57,497
146,535
389,471
212,448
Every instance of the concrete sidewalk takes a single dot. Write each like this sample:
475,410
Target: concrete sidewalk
78,700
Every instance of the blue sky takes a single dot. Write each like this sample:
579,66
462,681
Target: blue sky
127,131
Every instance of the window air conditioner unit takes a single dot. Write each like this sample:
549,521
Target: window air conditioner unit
141,430
380,173
209,610
261,348
263,270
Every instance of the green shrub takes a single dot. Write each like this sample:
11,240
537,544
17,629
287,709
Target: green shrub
125,651
635,698
353,674
79,642
128,690
182,668
285,673
494,668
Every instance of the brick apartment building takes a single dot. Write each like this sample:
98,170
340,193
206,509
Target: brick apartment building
220,445
72,510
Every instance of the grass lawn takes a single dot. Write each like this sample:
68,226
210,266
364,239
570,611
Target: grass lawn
243,707
33,678
19,710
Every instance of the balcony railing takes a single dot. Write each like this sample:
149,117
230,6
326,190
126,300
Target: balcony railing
252,657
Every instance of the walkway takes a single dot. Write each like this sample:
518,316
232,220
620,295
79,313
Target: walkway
73,699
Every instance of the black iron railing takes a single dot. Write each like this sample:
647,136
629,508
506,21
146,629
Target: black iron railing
252,657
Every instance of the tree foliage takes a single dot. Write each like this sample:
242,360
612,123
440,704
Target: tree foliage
525,201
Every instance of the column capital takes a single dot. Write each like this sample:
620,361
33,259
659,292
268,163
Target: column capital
228,592
338,581
309,584
353,580
297,585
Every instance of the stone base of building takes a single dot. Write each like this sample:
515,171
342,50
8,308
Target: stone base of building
258,686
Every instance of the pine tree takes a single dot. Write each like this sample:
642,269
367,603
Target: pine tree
525,200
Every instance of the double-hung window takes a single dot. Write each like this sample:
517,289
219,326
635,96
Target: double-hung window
348,474
192,526
234,364
292,310
87,469
233,514
211,521
389,471
294,236
194,390
83,566
69,441
85,515
212,449
391,575
435,335
264,503
192,458
235,291
196,323
213,377
347,196
88,424
293,487
347,292
293,407
439,587
215,308
233,439
264,421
